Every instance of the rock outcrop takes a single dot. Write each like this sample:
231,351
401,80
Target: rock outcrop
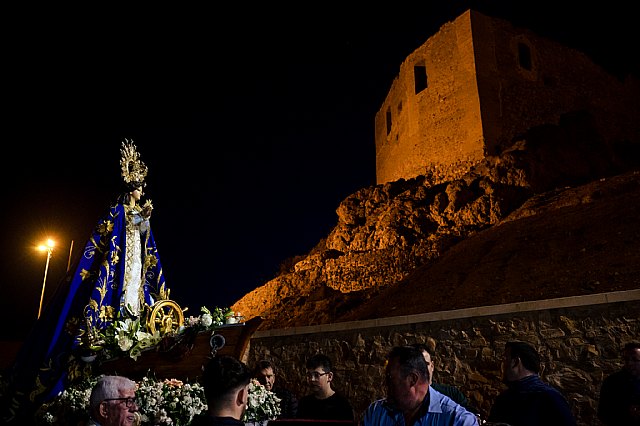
398,249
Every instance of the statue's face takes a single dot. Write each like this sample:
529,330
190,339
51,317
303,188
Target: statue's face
137,193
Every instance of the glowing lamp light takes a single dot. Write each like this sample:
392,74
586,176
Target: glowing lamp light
48,247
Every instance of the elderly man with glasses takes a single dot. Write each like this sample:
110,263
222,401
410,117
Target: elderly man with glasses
113,402
323,403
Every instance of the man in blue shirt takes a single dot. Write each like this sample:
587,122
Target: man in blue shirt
528,401
410,399
449,390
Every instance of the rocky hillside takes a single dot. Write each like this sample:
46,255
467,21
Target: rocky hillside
554,215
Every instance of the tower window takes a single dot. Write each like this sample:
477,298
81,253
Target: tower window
524,56
420,78
388,121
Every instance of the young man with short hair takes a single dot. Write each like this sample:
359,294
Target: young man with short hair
323,403
226,387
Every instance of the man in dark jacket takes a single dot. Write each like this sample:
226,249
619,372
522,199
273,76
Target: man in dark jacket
265,373
528,401
620,392
226,387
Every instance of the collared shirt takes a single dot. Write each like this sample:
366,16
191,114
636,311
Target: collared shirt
441,411
455,394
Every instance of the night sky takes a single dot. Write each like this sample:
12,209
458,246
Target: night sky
254,128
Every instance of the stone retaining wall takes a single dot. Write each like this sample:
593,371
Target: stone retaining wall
578,338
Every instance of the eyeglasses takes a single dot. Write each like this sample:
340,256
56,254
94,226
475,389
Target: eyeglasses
316,375
129,402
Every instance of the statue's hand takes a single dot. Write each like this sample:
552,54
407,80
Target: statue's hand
147,208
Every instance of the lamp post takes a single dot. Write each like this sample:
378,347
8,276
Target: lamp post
49,249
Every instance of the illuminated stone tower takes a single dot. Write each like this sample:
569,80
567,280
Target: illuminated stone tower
478,84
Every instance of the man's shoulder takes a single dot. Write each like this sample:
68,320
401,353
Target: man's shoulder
308,397
283,392
207,420
450,391
379,412
201,420
541,395
617,377
337,396
555,394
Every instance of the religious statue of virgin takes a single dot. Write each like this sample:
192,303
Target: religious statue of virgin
117,276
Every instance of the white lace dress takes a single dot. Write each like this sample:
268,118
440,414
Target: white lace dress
137,227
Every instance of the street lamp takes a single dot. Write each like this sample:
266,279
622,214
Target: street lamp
49,249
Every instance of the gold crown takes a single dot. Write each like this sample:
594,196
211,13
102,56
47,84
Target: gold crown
133,169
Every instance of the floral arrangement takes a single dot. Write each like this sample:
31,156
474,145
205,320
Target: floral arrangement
129,337
70,407
261,404
167,402
160,403
209,320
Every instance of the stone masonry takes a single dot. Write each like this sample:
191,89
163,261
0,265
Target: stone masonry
579,345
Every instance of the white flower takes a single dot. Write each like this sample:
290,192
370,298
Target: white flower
261,403
206,320
146,340
127,326
124,342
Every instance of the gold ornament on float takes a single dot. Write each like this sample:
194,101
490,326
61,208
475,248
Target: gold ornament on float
166,317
